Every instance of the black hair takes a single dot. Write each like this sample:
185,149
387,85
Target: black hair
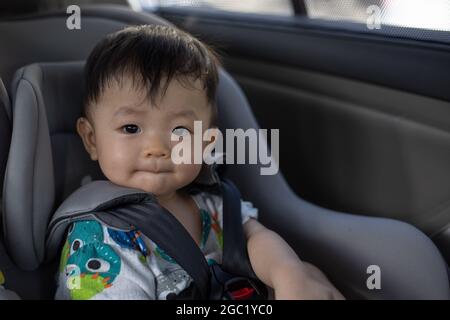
151,55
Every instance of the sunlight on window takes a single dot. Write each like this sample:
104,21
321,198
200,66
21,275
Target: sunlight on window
272,7
431,14
424,14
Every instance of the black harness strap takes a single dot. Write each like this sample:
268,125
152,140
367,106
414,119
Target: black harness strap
163,228
236,274
235,258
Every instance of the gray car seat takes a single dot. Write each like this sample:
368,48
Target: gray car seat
5,138
47,162
5,132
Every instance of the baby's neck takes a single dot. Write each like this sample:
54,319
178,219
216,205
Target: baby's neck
185,210
167,199
174,201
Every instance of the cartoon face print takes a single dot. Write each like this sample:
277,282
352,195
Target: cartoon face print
92,265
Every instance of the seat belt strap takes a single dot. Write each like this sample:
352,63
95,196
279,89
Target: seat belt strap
235,256
159,225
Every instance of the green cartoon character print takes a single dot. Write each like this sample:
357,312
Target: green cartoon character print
89,264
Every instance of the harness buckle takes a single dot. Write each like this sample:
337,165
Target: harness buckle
240,288
231,287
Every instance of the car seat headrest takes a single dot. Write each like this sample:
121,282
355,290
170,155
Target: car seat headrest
56,89
20,47
47,160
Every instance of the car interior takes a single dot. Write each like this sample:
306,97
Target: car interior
363,116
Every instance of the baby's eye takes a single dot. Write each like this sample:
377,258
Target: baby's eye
181,131
131,129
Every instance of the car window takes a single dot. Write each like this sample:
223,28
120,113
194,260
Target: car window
424,20
422,14
271,7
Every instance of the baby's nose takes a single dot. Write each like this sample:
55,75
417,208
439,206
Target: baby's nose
156,149
156,152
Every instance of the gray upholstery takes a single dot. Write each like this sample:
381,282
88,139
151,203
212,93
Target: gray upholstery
34,175
59,162
5,132
342,245
5,136
57,43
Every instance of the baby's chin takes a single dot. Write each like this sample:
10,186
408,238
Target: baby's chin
158,185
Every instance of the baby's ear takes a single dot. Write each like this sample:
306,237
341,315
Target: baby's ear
86,132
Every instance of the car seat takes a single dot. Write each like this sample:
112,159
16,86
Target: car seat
47,162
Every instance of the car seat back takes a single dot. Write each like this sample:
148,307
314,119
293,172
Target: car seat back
5,133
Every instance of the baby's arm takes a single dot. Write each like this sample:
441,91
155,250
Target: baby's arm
277,265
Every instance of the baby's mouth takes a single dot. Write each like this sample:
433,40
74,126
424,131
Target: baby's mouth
155,170
155,167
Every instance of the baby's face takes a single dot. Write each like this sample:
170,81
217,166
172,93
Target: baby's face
131,138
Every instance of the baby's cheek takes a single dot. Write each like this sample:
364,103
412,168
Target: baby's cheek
188,172
115,165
